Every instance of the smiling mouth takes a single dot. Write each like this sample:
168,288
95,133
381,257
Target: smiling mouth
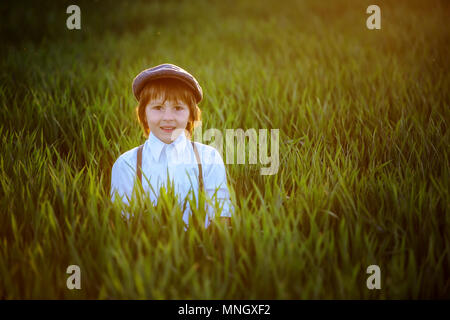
167,129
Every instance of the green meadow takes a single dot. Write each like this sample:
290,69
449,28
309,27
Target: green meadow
363,175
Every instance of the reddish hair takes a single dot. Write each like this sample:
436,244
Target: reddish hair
172,90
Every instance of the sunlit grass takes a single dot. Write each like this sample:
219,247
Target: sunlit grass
364,166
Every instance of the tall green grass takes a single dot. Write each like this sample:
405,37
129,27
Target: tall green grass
364,140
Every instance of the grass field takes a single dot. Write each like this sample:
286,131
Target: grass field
364,149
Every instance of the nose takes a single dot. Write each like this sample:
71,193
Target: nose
168,114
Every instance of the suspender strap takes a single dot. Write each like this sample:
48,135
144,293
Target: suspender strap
200,184
200,174
139,163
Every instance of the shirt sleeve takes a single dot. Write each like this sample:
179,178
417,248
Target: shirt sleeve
216,188
122,179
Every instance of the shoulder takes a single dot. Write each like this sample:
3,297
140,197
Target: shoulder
214,167
126,161
208,154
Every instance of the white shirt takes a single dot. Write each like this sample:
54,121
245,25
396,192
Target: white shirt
179,161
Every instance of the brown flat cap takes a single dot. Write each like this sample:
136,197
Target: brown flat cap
166,70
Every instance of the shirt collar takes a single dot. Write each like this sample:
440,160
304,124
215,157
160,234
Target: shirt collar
156,146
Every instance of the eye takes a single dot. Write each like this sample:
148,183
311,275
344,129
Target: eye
179,108
156,107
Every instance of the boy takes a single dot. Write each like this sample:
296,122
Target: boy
167,109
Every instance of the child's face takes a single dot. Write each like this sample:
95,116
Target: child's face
167,120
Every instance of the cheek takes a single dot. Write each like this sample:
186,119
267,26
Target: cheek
184,116
152,117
